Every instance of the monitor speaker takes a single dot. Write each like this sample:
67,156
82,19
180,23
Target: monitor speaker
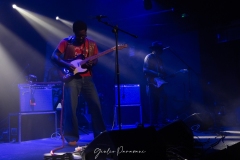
127,144
177,135
199,121
230,152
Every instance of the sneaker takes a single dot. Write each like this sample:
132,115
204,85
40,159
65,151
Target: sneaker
73,143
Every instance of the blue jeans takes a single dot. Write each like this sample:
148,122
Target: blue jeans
72,90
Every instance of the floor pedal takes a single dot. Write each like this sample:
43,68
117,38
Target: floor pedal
63,156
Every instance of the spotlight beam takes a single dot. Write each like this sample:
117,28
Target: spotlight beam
50,30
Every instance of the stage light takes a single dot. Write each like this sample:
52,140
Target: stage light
66,22
14,6
184,15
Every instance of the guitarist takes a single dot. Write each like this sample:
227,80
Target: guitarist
74,46
154,72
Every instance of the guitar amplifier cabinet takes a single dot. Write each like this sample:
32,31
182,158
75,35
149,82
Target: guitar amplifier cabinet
35,97
31,125
129,94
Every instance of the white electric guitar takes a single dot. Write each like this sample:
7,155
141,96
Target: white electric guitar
158,81
79,61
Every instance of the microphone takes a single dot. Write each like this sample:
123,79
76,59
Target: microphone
100,16
166,47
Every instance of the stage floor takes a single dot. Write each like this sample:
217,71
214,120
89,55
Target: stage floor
217,143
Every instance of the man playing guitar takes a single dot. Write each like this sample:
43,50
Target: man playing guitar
154,73
78,46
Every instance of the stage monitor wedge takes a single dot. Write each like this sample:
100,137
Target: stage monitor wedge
127,144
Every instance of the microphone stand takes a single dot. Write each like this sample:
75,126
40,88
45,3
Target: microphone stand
115,30
189,77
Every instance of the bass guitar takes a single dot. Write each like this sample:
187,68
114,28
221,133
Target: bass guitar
80,60
158,81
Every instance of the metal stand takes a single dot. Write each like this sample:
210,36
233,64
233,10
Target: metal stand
115,30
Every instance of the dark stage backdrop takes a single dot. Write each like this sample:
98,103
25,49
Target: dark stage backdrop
221,68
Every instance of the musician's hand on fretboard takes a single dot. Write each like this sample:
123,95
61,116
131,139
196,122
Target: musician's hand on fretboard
89,63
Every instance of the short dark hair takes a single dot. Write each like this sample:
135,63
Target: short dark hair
79,25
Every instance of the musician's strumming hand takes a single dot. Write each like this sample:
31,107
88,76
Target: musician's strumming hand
91,63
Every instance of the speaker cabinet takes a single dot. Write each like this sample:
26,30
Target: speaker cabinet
128,144
177,134
199,121
129,94
230,152
30,126
35,98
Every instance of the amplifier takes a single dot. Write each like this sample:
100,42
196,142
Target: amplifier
35,98
129,94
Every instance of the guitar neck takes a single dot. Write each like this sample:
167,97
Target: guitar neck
96,56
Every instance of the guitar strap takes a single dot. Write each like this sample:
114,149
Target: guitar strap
90,51
90,48
70,53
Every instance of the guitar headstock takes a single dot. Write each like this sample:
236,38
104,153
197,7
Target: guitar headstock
120,46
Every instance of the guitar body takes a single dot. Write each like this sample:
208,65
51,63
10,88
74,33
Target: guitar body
80,60
77,64
67,74
158,82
